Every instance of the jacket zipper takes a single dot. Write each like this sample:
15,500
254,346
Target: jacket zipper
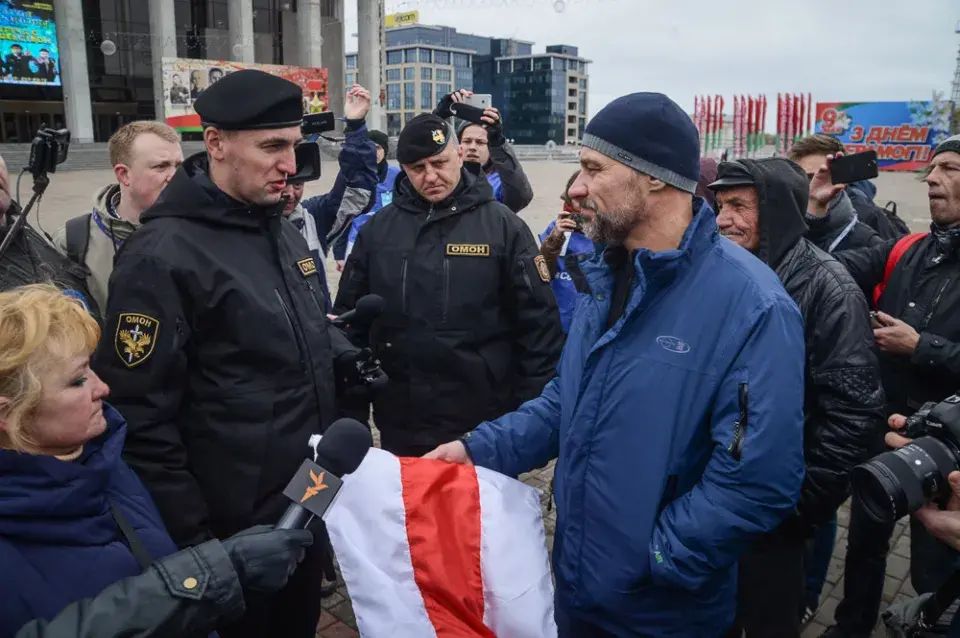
936,302
446,288
403,287
526,275
740,426
286,315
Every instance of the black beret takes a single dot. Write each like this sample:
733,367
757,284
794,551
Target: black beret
380,139
250,99
425,136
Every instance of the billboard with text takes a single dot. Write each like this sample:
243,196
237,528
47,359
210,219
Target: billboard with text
184,79
28,43
903,134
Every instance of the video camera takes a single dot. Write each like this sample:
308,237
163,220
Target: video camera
899,482
308,151
48,149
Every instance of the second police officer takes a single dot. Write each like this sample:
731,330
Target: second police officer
470,328
220,354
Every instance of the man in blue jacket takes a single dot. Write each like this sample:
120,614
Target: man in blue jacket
676,414
324,218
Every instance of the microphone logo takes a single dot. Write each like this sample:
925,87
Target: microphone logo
316,488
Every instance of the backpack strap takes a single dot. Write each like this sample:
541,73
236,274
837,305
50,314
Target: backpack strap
78,238
131,539
899,250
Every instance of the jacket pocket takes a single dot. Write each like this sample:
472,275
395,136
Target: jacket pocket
403,286
289,318
740,425
669,493
446,289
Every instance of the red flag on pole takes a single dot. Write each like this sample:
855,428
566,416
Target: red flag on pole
709,122
801,119
779,123
788,121
763,120
720,109
696,112
749,123
809,113
796,118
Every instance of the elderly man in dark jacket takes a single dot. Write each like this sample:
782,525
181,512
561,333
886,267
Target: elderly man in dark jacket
761,207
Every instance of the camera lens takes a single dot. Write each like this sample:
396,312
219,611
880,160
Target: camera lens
896,483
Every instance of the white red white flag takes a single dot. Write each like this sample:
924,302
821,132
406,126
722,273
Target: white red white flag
429,548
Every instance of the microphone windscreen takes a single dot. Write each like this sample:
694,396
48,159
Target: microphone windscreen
342,447
369,307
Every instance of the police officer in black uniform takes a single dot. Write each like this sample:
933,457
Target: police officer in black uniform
470,328
219,352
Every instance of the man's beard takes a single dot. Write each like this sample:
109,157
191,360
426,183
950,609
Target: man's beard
613,228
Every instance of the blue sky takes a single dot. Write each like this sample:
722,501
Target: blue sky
855,50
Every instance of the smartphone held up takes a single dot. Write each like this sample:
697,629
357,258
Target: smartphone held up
848,169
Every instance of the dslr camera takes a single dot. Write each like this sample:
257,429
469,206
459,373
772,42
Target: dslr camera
899,482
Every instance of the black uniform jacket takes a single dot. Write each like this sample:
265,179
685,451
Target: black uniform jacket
219,354
471,328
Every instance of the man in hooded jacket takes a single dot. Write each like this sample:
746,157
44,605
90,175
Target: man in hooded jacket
220,354
761,205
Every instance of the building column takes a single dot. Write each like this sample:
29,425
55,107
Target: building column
163,44
309,24
332,34
371,56
75,77
240,13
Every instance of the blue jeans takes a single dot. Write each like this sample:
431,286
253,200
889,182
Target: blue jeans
819,553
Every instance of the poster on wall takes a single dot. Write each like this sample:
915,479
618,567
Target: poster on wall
28,43
185,79
903,134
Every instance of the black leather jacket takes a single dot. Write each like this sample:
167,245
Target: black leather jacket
157,603
843,404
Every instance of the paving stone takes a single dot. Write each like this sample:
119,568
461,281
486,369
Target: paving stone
891,586
825,613
835,571
332,601
813,630
344,613
902,546
326,619
338,630
898,567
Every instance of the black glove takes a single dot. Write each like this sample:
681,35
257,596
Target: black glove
265,557
443,106
359,374
495,133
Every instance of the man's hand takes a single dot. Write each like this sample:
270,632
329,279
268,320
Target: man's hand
358,103
822,188
453,452
894,336
944,524
565,224
892,439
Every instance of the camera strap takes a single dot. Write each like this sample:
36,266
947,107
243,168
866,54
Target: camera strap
131,539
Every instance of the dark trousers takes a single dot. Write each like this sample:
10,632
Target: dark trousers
770,588
295,610
401,448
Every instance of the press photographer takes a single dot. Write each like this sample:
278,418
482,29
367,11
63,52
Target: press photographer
480,134
221,356
26,256
920,477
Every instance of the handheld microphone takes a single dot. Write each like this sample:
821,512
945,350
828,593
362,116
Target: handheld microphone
368,308
314,486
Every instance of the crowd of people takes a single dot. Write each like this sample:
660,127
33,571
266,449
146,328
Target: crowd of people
706,349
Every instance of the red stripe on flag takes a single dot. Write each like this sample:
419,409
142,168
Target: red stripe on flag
443,531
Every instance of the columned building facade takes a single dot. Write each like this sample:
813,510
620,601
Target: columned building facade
111,50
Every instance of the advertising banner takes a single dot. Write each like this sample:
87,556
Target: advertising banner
28,43
903,134
185,79
393,20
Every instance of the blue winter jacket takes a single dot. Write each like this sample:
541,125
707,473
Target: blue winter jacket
58,540
678,433
563,284
383,198
333,212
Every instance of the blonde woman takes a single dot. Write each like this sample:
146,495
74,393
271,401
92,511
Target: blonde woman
74,518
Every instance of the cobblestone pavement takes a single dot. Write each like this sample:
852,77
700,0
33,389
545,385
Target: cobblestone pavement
71,194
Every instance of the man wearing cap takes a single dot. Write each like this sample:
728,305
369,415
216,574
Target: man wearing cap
471,327
843,403
485,145
218,350
679,438
912,282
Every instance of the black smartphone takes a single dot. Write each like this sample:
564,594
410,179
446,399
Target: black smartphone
854,168
467,112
